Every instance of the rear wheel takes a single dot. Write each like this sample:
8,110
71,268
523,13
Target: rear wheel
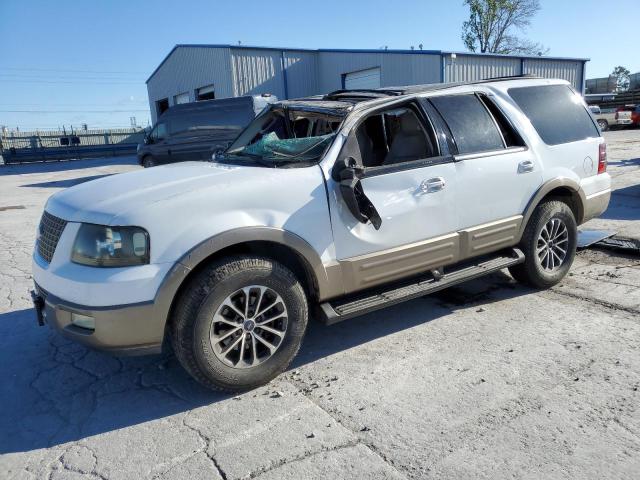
549,245
239,323
148,162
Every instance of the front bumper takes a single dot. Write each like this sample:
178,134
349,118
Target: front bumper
122,329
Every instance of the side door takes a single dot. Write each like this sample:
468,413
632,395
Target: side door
158,146
186,146
405,180
497,174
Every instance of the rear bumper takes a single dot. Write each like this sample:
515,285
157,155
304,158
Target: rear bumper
121,330
596,204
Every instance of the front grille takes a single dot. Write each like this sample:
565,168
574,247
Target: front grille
50,228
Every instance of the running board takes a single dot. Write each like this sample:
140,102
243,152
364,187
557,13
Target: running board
343,308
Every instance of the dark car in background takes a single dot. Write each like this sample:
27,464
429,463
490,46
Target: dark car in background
194,131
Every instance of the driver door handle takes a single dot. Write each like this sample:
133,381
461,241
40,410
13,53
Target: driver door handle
432,185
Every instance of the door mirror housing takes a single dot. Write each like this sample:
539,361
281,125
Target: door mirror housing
346,172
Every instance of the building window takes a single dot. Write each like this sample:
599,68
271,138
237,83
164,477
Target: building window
181,98
205,93
162,106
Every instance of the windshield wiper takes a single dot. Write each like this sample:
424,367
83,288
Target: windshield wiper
257,159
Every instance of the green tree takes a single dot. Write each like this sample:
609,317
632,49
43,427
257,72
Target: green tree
493,24
622,78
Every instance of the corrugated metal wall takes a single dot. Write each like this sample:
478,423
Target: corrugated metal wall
396,68
256,71
634,81
187,69
237,71
565,69
601,85
302,73
469,68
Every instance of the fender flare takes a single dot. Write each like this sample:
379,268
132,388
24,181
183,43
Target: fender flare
561,182
328,278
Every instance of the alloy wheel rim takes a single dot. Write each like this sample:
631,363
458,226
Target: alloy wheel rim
249,326
552,245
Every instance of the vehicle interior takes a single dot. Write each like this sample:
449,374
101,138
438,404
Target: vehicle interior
394,136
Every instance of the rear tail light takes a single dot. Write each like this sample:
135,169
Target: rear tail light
602,158
617,115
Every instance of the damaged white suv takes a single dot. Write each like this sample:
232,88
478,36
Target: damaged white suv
334,206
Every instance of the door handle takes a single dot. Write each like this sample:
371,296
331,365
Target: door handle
432,185
525,167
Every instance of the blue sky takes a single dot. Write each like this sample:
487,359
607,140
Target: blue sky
69,62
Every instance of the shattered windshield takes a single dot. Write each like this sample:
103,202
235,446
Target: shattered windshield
285,135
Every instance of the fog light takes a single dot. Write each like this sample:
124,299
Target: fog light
83,321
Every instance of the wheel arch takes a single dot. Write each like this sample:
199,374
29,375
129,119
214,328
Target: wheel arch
565,189
320,281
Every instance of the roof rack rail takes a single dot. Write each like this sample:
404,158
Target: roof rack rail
364,93
507,77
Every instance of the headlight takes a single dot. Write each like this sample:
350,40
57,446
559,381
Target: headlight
102,246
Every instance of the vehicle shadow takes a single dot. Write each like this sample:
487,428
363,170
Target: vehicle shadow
54,391
627,162
70,182
624,204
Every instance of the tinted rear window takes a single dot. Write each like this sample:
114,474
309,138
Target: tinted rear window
556,112
470,123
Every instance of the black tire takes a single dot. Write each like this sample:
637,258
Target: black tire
148,161
604,125
204,294
532,272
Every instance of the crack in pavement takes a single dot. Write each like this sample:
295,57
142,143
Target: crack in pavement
299,458
208,443
595,301
304,389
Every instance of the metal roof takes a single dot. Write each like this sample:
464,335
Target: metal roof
356,50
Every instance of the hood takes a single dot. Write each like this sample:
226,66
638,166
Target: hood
101,201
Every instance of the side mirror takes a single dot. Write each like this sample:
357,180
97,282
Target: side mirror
346,168
217,150
346,172
146,140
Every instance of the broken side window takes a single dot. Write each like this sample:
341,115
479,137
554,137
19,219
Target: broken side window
395,136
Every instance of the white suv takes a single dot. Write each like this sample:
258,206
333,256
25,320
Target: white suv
334,205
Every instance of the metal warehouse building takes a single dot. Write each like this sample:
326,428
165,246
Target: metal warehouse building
201,72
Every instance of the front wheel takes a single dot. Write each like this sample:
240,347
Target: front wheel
239,323
549,245
148,162
604,125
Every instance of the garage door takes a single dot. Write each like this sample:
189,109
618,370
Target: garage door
364,79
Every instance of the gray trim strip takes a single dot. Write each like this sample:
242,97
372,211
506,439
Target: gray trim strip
491,153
